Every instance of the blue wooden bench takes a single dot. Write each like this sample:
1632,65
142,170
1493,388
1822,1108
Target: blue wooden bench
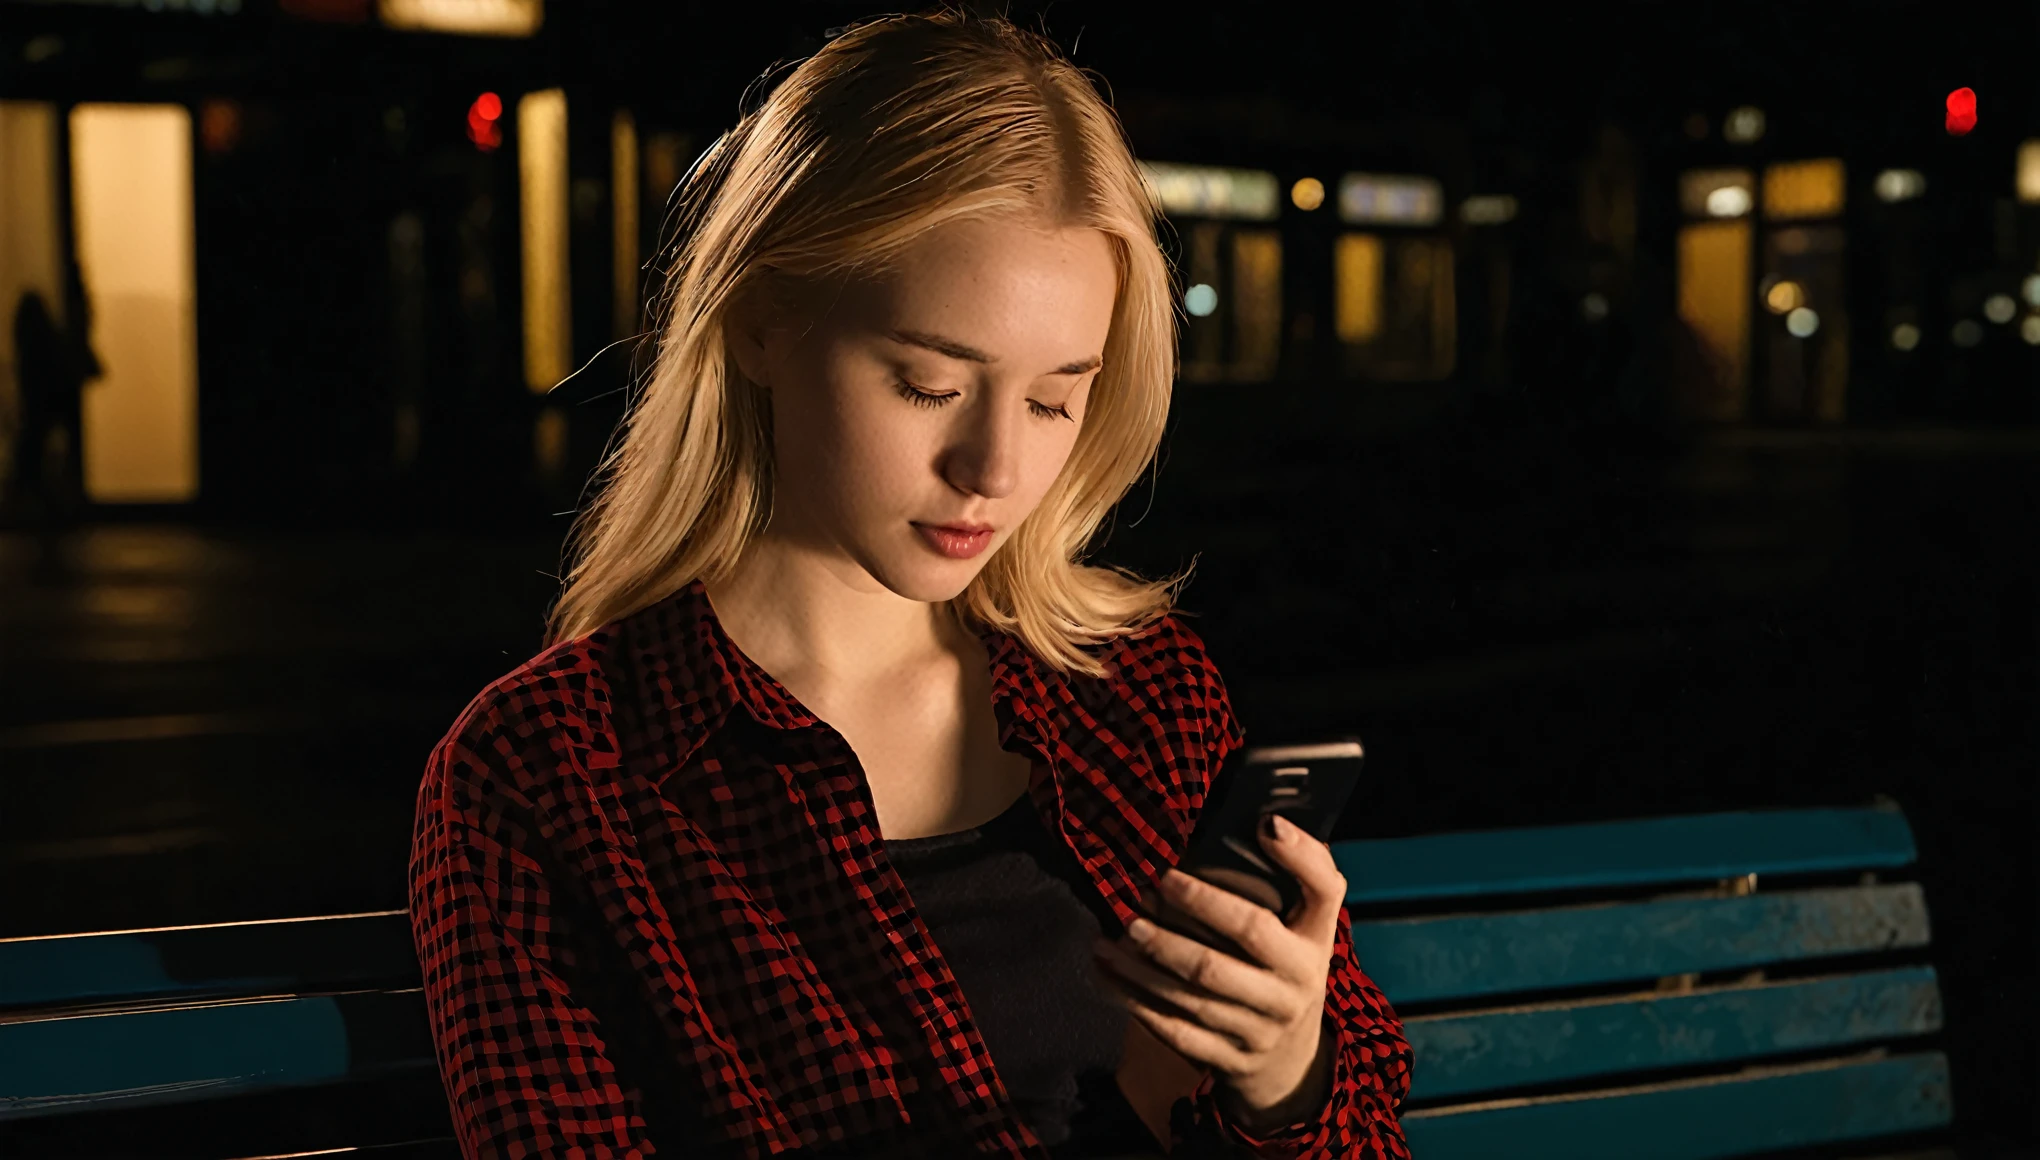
1686,987
1682,987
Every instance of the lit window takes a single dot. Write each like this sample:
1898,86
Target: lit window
1390,199
1490,209
2029,170
1207,191
1395,308
465,17
1894,185
1357,264
1803,189
542,183
131,205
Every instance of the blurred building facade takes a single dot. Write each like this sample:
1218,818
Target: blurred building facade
360,256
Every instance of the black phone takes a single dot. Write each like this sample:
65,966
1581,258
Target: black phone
1308,784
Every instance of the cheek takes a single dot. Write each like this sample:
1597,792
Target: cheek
846,444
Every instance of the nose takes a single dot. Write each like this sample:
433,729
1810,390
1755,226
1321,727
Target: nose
983,457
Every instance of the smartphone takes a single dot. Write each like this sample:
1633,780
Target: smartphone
1308,784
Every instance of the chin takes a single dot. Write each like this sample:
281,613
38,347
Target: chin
929,579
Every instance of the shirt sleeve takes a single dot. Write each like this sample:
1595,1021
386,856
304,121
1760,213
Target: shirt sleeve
525,1067
1370,1080
1371,1067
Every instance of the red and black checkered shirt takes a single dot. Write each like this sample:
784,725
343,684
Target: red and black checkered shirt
655,913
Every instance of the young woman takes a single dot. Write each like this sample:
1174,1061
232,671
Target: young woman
825,825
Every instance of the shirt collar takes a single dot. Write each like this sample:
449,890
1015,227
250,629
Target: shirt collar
695,675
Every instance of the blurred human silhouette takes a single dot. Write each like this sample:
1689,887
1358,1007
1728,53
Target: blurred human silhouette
54,363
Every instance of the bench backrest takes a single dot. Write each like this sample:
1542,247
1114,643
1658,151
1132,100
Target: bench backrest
1619,989
1626,988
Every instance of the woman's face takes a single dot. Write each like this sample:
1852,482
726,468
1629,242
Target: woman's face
920,416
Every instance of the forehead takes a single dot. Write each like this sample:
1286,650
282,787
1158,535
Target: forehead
1005,287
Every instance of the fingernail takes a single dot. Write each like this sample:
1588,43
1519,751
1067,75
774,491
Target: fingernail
1141,930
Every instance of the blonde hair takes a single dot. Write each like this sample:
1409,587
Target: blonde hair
893,128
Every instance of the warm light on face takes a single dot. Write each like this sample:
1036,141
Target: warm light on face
1307,194
932,397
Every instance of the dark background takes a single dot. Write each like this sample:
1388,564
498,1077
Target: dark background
1539,592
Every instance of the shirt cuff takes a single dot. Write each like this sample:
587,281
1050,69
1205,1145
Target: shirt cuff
1206,1119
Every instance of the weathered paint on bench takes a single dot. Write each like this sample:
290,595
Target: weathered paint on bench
1519,1047
1423,960
1612,855
174,1054
1759,1110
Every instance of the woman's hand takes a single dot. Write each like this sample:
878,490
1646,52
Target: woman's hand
1258,1022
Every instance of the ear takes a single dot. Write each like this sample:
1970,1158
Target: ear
749,334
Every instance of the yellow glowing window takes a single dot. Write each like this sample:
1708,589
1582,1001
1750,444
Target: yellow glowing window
1714,303
2029,170
542,183
132,209
1804,189
1357,270
467,17
623,203
1256,303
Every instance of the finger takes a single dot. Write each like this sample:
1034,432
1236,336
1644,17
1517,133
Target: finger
1256,929
1211,970
1197,1044
1248,1027
1324,888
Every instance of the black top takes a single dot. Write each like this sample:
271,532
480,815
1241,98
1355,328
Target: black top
1015,916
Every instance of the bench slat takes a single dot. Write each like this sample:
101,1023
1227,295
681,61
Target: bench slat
1461,1055
1644,852
91,1062
1758,1110
243,958
1421,960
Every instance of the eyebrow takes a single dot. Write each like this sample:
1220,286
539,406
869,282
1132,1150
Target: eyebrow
957,350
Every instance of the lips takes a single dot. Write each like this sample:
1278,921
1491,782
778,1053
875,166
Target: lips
956,541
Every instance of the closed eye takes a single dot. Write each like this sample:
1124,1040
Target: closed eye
919,397
1044,411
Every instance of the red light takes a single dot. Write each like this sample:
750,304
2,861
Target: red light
481,122
1961,112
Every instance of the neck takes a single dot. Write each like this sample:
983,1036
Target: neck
816,618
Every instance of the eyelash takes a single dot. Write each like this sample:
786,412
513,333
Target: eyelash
931,400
